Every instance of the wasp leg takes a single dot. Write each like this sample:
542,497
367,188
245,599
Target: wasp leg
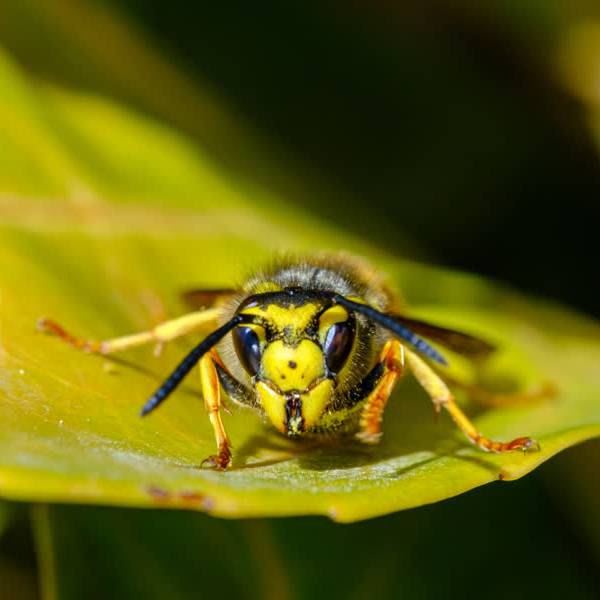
162,333
486,397
441,396
392,361
211,390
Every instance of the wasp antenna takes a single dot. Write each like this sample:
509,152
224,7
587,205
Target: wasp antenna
187,364
390,323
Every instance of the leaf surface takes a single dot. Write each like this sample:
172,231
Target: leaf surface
105,217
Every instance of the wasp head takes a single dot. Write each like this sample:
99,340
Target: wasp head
293,349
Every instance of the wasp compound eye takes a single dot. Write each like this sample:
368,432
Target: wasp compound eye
247,347
338,343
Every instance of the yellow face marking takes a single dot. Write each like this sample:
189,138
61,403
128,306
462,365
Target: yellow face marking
296,317
292,367
336,314
293,391
274,405
313,405
315,402
259,330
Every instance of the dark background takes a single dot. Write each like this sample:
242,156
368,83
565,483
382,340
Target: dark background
445,123
456,136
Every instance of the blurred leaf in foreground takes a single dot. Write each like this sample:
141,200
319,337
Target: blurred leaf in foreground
137,555
179,554
573,478
105,218
5,516
17,574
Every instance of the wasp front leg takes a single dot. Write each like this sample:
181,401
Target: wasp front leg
442,397
211,390
391,362
160,334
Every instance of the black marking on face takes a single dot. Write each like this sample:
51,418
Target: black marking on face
293,412
289,297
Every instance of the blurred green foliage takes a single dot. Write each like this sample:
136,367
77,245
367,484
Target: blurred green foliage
469,130
456,549
450,123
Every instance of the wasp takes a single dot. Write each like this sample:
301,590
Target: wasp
315,345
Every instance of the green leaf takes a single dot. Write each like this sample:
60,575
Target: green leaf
106,217
83,59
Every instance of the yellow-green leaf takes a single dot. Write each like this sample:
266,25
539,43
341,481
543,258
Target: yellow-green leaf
105,218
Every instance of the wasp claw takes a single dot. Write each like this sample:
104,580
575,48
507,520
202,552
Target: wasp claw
45,325
218,462
526,444
531,446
